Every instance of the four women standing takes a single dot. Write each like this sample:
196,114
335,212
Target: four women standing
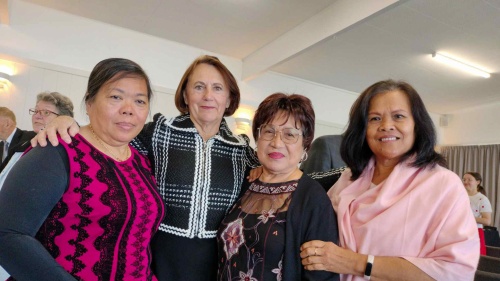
392,182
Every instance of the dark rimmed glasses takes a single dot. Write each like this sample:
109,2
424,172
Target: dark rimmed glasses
288,135
43,112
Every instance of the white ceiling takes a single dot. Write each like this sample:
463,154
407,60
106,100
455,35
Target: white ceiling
347,44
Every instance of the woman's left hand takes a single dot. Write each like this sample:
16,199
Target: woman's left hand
320,255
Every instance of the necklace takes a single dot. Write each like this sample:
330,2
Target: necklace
106,147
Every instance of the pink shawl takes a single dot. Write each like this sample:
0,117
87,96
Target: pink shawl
421,215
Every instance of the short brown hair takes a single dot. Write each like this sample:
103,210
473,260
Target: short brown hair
297,106
234,90
63,104
6,112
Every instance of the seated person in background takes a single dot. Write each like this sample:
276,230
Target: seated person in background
260,238
324,155
88,210
10,136
324,163
48,106
479,204
402,215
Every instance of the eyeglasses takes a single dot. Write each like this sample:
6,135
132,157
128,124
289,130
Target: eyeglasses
43,112
288,135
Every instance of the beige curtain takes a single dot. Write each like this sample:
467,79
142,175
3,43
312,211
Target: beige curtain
484,159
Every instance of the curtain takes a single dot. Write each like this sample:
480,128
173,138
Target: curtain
484,159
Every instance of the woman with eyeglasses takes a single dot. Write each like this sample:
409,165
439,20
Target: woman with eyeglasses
260,238
48,106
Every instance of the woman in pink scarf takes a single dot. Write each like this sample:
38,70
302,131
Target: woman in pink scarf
401,214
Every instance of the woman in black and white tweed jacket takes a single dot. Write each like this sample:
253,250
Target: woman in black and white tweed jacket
199,181
199,166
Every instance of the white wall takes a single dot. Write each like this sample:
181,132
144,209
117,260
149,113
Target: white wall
478,125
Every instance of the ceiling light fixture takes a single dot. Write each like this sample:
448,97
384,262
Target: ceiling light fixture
460,65
242,123
4,78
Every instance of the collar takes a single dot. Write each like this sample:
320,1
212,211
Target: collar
273,188
184,123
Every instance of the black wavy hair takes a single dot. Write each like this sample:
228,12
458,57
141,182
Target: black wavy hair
354,148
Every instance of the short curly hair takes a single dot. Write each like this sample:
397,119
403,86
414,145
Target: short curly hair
297,106
63,104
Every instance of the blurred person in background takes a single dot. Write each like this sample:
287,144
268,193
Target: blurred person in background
48,106
479,204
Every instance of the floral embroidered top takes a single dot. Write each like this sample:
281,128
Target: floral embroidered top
251,239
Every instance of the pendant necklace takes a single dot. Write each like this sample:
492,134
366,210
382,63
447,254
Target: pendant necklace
106,147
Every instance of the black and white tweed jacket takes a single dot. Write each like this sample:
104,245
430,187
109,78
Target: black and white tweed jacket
198,181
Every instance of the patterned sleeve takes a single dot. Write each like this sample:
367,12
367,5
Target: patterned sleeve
328,178
40,184
143,141
251,159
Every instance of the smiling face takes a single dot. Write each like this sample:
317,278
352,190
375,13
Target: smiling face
207,95
277,157
470,184
39,120
119,110
390,131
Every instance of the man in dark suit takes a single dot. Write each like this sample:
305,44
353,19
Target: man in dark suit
11,136
324,155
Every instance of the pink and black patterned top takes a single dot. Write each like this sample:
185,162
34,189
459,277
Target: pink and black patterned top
102,223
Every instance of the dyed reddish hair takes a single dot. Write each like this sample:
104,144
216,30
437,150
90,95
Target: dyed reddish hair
297,106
